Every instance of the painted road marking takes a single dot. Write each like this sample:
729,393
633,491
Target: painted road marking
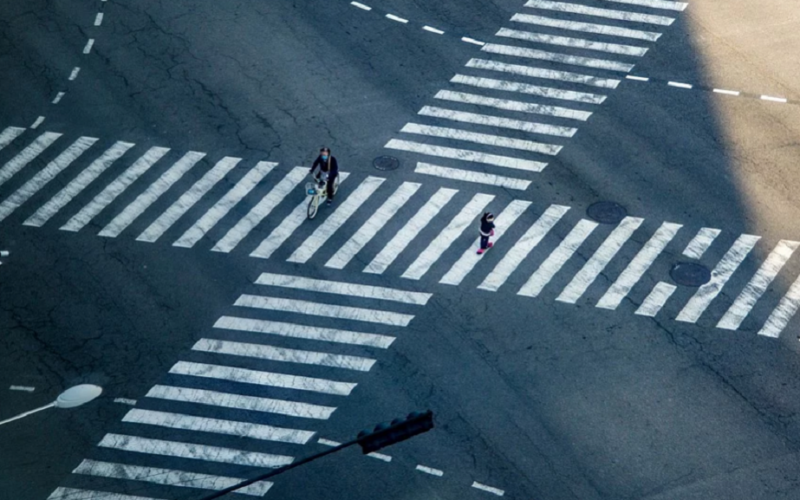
125,401
621,15
27,155
700,243
595,265
470,258
45,175
361,6
245,376
757,285
547,74
343,288
466,155
336,220
74,74
727,92
37,122
240,402
395,18
496,121
76,494
488,489
470,176
780,316
283,354
193,451
655,4
600,29
525,88
188,199
324,310
638,266
580,43
89,45
226,203
480,138
366,232
656,299
724,269
413,227
304,332
433,30
447,236
9,134
98,20
78,184
110,193
23,388
510,105
429,470
523,247
542,55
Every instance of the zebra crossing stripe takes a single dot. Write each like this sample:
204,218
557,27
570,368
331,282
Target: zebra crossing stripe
466,155
700,243
293,330
509,105
288,226
469,259
241,402
27,155
167,477
342,288
722,272
447,236
620,15
370,228
556,260
284,355
188,199
543,55
45,175
656,299
496,121
470,176
336,220
413,227
226,204
270,379
522,248
595,265
525,88
9,134
638,266
324,310
78,184
757,285
600,29
579,43
780,316
193,451
655,4
75,494
479,138
110,193
151,194
547,74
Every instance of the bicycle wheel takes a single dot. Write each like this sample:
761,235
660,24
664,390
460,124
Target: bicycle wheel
313,205
336,184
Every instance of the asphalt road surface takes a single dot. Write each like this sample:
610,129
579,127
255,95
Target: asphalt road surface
153,159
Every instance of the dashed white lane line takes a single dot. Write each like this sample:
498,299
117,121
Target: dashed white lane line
361,6
23,388
430,470
396,18
98,20
679,85
58,97
125,401
89,45
433,30
379,456
74,74
488,489
38,122
727,92
472,41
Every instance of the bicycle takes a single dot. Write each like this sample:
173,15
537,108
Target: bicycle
318,192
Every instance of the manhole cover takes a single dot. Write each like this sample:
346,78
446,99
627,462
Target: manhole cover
606,212
690,274
386,163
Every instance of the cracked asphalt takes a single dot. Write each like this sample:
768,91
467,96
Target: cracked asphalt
539,398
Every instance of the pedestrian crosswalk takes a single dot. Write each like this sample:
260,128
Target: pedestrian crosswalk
540,75
248,394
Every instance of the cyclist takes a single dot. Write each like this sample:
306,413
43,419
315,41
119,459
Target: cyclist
327,164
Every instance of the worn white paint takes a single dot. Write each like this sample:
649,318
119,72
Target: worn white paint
480,138
577,43
510,105
9,134
526,88
546,74
343,288
621,15
75,494
430,470
470,176
497,121
600,29
88,47
700,243
324,310
656,299
466,155
780,316
488,489
655,4
27,155
542,55
293,330
74,74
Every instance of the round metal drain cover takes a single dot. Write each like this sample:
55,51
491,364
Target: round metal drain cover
386,163
690,274
606,212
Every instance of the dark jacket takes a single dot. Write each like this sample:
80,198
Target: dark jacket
330,166
486,226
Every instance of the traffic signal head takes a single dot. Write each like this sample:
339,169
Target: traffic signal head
399,430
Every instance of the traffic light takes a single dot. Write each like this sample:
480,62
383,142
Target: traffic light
399,430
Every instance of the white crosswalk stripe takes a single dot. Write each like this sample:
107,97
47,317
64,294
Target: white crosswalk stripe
447,236
78,184
523,247
188,200
403,238
27,155
700,243
655,4
595,265
466,155
226,204
542,55
496,121
470,258
325,310
293,330
545,74
525,88
75,494
375,223
510,105
479,138
556,260
724,269
578,43
599,29
620,15
779,318
8,135
336,220
656,299
151,194
114,189
474,177
342,288
44,176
